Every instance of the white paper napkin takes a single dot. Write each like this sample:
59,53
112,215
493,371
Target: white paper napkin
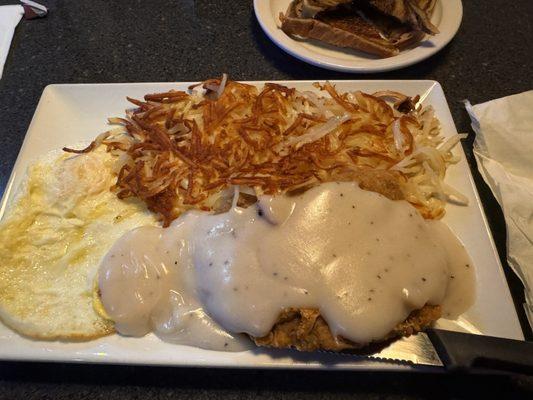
504,152
9,18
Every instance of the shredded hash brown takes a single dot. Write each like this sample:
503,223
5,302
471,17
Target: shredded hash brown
180,150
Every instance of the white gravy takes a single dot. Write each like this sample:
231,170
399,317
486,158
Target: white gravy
147,283
365,261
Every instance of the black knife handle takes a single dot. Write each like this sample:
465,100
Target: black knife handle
463,351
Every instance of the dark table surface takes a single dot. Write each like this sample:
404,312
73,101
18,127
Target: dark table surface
191,40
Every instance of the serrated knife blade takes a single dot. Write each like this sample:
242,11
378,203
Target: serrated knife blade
416,349
456,351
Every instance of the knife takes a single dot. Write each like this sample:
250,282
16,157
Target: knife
468,352
459,352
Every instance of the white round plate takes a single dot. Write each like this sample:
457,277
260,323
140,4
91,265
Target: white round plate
447,17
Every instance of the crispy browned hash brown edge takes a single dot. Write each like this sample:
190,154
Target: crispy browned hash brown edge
243,136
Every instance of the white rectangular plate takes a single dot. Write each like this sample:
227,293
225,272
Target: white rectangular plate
68,114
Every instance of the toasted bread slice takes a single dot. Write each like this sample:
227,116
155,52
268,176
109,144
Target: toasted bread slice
359,25
415,13
338,29
310,8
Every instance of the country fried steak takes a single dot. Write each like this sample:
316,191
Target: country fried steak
306,330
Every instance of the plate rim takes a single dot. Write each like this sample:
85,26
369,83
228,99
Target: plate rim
263,16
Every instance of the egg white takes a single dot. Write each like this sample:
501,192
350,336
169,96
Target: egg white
52,238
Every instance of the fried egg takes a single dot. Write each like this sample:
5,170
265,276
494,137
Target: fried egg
61,223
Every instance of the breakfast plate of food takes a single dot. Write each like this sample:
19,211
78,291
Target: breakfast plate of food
360,35
243,224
